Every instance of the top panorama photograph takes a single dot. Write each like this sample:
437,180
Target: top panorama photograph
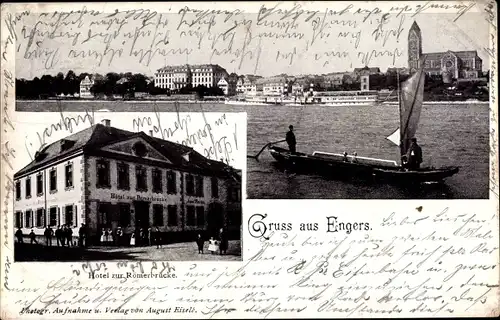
341,103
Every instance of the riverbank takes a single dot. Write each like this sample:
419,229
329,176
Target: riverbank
243,103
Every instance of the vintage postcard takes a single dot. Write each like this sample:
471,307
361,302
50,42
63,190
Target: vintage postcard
249,160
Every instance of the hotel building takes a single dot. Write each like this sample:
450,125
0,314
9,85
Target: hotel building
177,77
107,178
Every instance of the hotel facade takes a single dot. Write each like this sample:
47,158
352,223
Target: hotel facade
107,178
177,77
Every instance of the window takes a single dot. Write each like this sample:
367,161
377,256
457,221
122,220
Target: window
172,215
157,215
28,187
103,179
199,186
124,214
215,187
233,193
19,219
141,176
157,183
53,216
28,222
171,182
190,218
68,175
200,216
123,176
53,180
39,184
18,190
68,215
40,218
234,217
189,184
104,215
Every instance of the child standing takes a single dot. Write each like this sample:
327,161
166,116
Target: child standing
213,245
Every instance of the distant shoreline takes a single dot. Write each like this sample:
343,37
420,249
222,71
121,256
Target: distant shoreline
202,101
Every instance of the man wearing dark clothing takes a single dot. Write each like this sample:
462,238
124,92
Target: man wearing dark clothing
81,235
19,235
223,241
69,235
200,242
290,139
414,155
33,237
48,236
59,236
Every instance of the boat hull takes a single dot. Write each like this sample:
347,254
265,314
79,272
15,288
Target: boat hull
308,164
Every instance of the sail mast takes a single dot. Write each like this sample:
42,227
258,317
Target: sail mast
400,116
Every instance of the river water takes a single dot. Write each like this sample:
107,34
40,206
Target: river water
450,135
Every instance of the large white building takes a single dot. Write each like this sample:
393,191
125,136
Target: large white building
177,77
247,85
173,77
105,177
274,86
207,74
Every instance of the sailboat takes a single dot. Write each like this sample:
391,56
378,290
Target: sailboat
410,98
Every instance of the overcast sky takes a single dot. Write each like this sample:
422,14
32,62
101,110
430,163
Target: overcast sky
439,34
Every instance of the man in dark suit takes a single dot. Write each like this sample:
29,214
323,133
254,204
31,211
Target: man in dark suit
290,139
414,155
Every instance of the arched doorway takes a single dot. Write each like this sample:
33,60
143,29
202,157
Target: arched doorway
215,219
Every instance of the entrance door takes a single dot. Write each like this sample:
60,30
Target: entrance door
141,219
215,219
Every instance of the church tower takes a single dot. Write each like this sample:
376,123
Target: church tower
414,47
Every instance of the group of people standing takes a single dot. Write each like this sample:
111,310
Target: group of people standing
219,243
63,235
145,237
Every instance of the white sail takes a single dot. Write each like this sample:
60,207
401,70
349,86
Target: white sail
395,137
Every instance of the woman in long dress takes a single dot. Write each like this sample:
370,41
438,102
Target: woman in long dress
132,239
106,236
110,237
102,237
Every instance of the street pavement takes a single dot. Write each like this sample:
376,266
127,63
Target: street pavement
184,251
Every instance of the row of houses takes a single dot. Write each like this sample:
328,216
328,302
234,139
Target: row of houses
210,75
213,75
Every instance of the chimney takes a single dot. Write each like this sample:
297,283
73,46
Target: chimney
106,122
151,133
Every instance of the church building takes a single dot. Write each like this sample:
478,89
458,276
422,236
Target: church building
450,64
107,178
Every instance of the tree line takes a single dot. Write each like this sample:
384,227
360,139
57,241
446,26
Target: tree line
108,85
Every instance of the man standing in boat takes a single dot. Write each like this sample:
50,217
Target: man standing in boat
414,155
290,139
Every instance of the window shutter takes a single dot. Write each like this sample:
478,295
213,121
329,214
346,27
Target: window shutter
75,222
44,212
21,220
58,219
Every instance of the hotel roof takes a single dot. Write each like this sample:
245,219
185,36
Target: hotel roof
99,135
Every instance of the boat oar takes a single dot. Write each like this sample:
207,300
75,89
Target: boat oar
256,157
